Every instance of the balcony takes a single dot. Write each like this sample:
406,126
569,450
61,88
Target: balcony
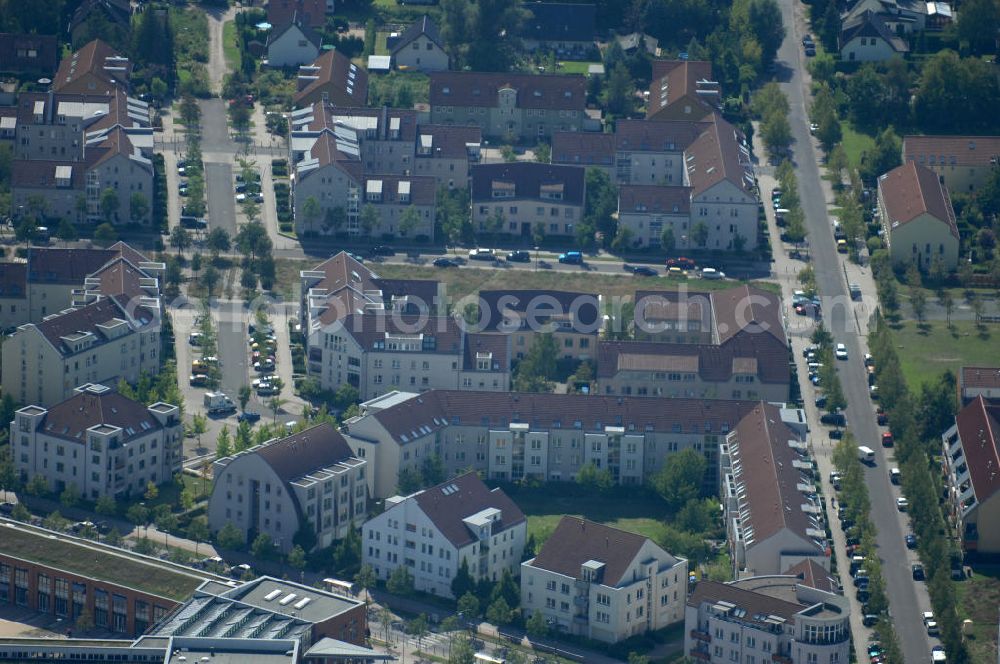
581,619
781,659
700,655
698,635
581,601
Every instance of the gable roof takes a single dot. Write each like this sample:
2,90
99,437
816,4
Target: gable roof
56,265
333,70
576,540
749,310
448,503
15,50
758,606
932,151
425,26
870,24
369,330
70,419
421,189
84,319
979,377
13,280
528,179
583,148
116,11
310,35
910,191
654,199
559,22
480,89
581,310
121,277
674,80
95,58
979,429
447,141
657,136
297,455
814,575
44,174
311,12
718,154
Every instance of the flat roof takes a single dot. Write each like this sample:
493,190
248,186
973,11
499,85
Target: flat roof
219,656
290,599
97,562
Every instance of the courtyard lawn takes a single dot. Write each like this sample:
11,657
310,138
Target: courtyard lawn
926,351
978,598
229,45
573,66
855,143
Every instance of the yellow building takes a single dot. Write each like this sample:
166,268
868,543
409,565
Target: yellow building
962,163
918,218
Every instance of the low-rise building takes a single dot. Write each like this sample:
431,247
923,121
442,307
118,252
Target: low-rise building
764,464
777,618
308,486
99,442
94,69
420,48
540,437
962,163
573,319
603,583
971,453
28,55
293,43
66,577
331,78
566,29
433,532
310,12
918,218
866,38
103,342
113,17
518,198
507,106
976,382
682,90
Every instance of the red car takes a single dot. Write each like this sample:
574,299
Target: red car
681,262
887,439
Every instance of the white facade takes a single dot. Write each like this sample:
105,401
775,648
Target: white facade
421,54
728,212
291,48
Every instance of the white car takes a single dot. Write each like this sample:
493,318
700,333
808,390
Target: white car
240,198
813,128
902,504
841,352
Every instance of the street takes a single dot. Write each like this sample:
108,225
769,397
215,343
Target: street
905,601
220,197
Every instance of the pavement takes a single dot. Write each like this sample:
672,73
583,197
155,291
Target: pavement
847,321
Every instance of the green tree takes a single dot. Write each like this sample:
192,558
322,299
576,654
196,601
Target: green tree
198,531
180,239
188,498
418,627
499,612
297,557
223,444
70,497
536,625
105,235
243,396
365,580
152,491
699,233
138,207
263,547
37,486
462,583
20,513
409,221
311,212
400,581
210,279
538,366
668,241
218,241
56,521
109,205
620,91
468,606
543,153
600,205
106,506
66,231
138,514
369,220
680,478
461,651
885,156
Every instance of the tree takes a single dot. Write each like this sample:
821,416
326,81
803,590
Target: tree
165,522
543,153
263,547
699,233
311,212
637,658
369,219
462,583
365,580
55,521
138,207
461,651
538,366
297,557
37,486
978,23
210,279
668,241
536,625
106,506
188,498
138,514
600,204
334,219
885,156
507,588
768,28
680,478
180,239
347,553
409,221
20,513
400,581
948,303
109,204
777,134
218,241
223,444
468,606
619,92
66,231
829,132
70,497
243,396
105,235
499,612
418,627
198,531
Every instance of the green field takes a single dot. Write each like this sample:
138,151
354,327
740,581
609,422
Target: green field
229,45
977,600
637,511
573,67
927,351
855,143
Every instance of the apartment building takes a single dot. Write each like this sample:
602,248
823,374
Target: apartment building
516,198
331,78
541,437
434,531
763,464
573,319
53,279
978,381
510,107
98,441
971,448
918,218
94,69
962,163
123,593
379,335
682,90
309,480
103,342
603,583
775,618
445,153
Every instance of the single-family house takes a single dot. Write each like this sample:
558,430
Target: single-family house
420,48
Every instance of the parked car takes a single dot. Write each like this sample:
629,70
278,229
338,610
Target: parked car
833,419
894,475
248,416
643,271
682,262
571,258
480,254
519,256
911,541
902,504
195,338
444,262
193,223
198,380
382,250
711,273
869,620
840,352
887,439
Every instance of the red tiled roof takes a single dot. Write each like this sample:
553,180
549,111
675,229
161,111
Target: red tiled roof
583,148
449,141
84,319
448,503
311,12
758,606
654,199
46,48
979,430
581,310
910,191
334,73
480,89
528,179
749,310
71,418
715,156
674,80
980,377
952,150
814,575
92,58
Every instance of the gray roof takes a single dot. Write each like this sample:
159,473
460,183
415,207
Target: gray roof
87,319
448,503
559,22
425,26
298,455
528,179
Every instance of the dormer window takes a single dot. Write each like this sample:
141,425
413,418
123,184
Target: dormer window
502,189
373,191
552,192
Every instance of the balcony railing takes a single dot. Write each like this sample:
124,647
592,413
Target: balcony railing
700,655
701,636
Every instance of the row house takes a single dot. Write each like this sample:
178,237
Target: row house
603,583
962,163
103,342
98,441
309,481
543,437
518,198
510,107
433,532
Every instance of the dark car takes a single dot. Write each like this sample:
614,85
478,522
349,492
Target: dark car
836,434
248,416
869,620
194,223
911,541
6,508
571,258
918,571
833,419
643,271
863,595
444,262
519,257
382,250
821,401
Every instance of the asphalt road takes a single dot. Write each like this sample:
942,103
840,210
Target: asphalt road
220,196
215,128
840,321
231,332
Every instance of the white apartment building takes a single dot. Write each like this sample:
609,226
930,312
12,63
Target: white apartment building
433,531
764,463
102,342
523,196
307,480
98,441
545,437
603,583
793,618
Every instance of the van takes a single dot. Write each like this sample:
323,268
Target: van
866,454
193,223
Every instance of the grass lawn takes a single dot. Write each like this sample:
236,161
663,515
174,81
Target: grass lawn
573,67
855,143
977,600
380,48
229,45
637,511
925,352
